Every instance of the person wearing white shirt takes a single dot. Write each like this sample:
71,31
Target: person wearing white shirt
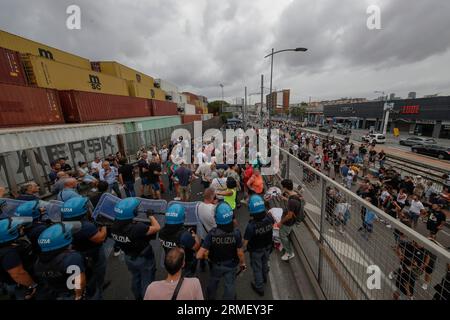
415,210
96,165
206,211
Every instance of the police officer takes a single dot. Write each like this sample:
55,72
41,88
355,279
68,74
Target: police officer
133,238
13,274
59,269
31,209
89,242
258,240
174,234
223,247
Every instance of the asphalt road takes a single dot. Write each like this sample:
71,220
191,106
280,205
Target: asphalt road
281,277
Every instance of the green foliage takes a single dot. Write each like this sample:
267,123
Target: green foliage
214,106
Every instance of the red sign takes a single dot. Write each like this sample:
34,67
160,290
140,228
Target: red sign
410,110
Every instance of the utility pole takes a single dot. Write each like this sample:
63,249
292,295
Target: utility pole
262,100
269,109
245,110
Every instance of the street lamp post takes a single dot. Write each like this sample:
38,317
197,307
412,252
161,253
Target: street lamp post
271,75
221,103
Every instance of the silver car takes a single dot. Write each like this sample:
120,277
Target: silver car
413,141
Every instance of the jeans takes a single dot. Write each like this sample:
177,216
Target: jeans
285,231
259,261
142,271
129,190
228,274
115,187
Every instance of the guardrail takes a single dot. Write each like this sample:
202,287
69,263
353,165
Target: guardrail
353,259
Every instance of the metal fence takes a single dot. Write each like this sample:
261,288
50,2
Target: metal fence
357,251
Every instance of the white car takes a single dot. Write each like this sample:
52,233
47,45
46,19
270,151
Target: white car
374,138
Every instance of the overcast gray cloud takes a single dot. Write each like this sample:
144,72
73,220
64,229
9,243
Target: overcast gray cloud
198,44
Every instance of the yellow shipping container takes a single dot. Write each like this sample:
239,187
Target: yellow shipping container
16,43
46,73
141,91
124,72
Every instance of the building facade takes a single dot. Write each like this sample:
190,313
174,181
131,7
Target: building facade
423,116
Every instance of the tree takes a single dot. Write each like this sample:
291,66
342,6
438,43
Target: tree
299,112
214,106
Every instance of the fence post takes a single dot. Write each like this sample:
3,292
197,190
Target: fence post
323,203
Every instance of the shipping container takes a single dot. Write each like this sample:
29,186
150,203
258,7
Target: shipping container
163,108
50,74
191,118
23,106
191,98
148,123
189,109
166,85
17,139
142,91
11,69
16,43
120,71
79,106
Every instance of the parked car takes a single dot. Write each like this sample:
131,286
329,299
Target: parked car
413,141
325,129
343,130
374,138
432,150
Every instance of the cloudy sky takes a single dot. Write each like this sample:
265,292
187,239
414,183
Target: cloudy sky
198,44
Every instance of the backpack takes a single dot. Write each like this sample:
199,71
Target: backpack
300,215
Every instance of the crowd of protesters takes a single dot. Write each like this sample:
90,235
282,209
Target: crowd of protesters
363,170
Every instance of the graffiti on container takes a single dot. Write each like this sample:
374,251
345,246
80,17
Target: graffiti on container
19,164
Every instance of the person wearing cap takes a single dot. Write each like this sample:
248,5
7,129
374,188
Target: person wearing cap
133,238
13,270
58,265
258,241
175,234
89,242
224,248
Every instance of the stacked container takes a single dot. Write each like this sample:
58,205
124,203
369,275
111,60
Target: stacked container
79,106
47,73
11,69
191,118
163,108
24,106
22,45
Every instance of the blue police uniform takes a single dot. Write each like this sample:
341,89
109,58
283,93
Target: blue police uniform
222,243
13,253
76,209
132,238
175,234
57,262
259,234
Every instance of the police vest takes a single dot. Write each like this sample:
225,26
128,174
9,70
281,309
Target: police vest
122,234
223,246
262,238
169,239
53,274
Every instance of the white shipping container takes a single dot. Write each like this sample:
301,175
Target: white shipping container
16,139
189,109
166,85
